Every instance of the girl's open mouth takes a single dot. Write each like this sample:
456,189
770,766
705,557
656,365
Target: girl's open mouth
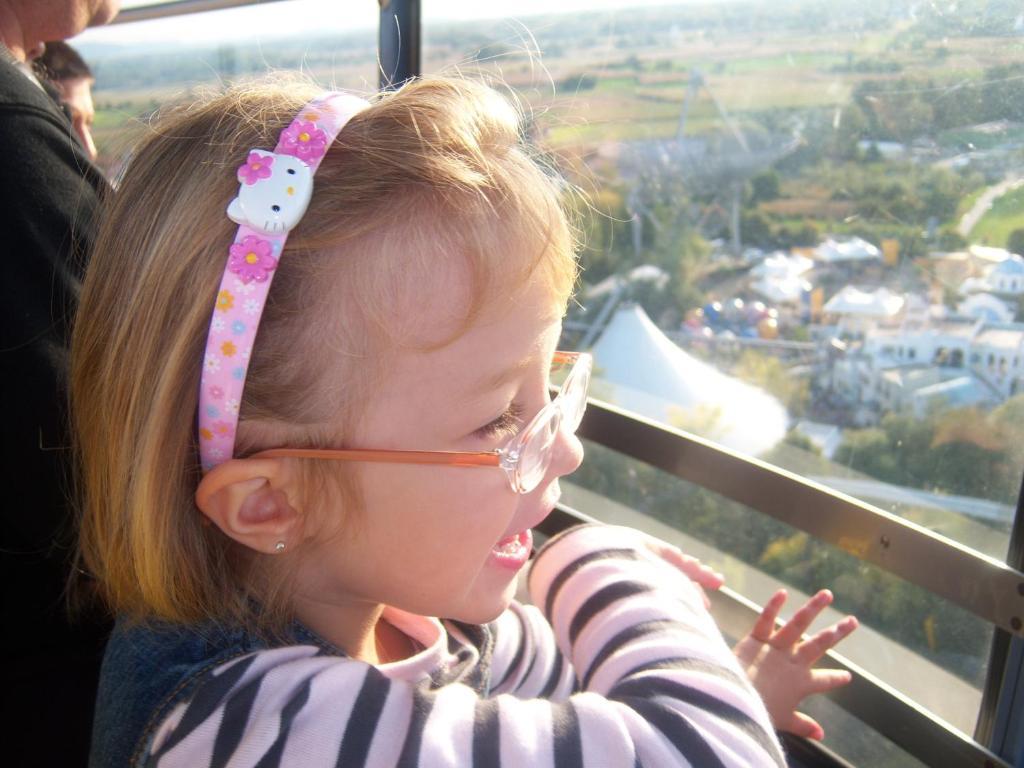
513,551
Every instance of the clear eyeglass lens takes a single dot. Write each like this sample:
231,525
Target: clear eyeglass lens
575,398
535,457
535,446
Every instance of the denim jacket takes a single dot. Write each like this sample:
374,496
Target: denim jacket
149,668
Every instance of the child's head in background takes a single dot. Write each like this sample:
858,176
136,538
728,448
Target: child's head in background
417,306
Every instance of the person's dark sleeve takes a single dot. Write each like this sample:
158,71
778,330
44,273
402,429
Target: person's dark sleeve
49,196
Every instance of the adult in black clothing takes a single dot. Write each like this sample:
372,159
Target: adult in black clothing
49,195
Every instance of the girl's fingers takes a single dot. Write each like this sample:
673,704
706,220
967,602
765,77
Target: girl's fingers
812,649
803,725
693,568
765,624
794,629
826,679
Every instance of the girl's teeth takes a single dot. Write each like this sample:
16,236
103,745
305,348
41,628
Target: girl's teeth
511,547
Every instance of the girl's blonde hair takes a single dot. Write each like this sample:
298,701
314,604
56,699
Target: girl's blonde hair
431,180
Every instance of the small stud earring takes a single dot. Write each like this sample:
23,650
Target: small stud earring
279,547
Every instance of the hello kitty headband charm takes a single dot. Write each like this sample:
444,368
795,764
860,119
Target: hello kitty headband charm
274,191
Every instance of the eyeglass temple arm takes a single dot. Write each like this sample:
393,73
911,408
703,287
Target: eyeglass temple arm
449,458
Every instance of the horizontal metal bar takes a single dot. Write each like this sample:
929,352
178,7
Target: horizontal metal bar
981,584
875,703
811,753
180,8
878,705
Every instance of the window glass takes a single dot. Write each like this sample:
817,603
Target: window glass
926,648
801,228
141,66
854,740
802,225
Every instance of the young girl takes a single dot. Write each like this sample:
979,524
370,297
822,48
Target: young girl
277,518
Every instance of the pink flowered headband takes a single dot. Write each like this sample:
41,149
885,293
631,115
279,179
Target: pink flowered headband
275,188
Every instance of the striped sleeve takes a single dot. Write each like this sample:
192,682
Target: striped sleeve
655,684
526,661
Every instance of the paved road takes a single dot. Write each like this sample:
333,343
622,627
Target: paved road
970,219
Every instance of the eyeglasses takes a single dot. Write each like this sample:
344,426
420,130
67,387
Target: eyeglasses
525,458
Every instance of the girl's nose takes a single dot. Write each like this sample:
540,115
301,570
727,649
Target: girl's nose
566,453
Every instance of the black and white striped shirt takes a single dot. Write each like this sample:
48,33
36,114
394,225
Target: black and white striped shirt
630,671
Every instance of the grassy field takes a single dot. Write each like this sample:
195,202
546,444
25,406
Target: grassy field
640,88
1005,215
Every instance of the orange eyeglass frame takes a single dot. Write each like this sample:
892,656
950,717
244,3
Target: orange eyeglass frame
447,458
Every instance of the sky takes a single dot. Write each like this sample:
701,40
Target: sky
280,19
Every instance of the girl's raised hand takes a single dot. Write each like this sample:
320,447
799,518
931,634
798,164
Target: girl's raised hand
779,661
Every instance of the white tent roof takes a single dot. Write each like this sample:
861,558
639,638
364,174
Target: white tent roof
782,265
988,253
855,301
850,249
638,368
785,290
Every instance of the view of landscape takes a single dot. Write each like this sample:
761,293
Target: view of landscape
801,233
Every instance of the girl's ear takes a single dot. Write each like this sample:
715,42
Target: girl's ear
248,500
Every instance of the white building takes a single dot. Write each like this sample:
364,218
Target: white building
779,278
1005,278
857,310
945,362
851,249
922,389
985,306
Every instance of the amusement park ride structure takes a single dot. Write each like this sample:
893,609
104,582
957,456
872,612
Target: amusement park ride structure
722,162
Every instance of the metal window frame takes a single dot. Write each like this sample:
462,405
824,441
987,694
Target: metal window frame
992,590
180,8
398,52
980,584
398,42
1001,716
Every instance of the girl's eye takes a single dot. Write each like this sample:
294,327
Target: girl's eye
505,425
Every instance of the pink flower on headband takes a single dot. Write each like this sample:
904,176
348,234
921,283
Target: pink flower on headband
256,167
303,140
252,259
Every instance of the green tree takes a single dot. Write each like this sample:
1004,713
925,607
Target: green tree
755,229
868,451
951,240
801,441
771,375
1015,242
765,186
